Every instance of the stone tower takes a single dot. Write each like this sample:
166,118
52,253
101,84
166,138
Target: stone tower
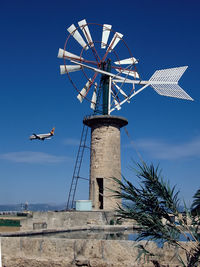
105,160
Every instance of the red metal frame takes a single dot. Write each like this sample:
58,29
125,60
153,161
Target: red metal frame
98,60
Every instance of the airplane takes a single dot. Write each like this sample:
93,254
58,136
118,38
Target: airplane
42,136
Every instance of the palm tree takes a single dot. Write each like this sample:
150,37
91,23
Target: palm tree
151,205
196,203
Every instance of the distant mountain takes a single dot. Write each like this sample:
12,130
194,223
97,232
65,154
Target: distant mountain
33,207
42,207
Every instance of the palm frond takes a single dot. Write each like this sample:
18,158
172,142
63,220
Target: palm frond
151,205
195,207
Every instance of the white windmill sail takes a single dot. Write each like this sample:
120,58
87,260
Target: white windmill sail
94,97
121,91
117,105
86,32
75,33
165,82
62,54
115,40
69,68
129,73
105,35
127,61
83,92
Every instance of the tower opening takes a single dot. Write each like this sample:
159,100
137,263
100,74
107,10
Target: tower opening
100,193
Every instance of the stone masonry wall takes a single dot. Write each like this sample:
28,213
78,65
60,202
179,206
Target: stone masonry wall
54,220
105,159
60,252
105,163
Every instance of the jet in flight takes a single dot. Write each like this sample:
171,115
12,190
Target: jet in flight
42,136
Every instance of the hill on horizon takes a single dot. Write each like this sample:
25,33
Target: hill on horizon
33,207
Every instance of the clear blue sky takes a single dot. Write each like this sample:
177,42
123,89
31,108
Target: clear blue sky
34,97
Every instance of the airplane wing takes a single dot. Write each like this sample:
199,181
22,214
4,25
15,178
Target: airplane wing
37,136
44,137
34,136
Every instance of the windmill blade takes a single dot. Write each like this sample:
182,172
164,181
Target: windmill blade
65,54
171,90
83,92
127,61
120,90
94,97
165,82
117,105
105,35
129,73
115,40
75,33
69,68
86,32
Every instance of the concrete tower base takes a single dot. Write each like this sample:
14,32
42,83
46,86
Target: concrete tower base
105,161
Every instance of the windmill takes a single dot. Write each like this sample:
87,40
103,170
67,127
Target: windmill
103,71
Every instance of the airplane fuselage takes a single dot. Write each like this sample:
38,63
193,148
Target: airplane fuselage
42,136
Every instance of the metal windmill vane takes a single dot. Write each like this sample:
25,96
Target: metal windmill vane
108,80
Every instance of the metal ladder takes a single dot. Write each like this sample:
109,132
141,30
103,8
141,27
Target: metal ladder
76,174
77,167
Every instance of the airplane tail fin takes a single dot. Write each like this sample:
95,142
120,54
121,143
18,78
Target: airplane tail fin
52,131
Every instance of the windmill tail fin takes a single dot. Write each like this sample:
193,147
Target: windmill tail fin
165,82
168,75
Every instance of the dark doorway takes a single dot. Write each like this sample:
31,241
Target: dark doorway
100,192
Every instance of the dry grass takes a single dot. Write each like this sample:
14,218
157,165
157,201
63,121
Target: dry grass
9,229
4,217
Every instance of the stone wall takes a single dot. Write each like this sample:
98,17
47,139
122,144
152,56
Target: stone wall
105,161
54,220
43,252
64,252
